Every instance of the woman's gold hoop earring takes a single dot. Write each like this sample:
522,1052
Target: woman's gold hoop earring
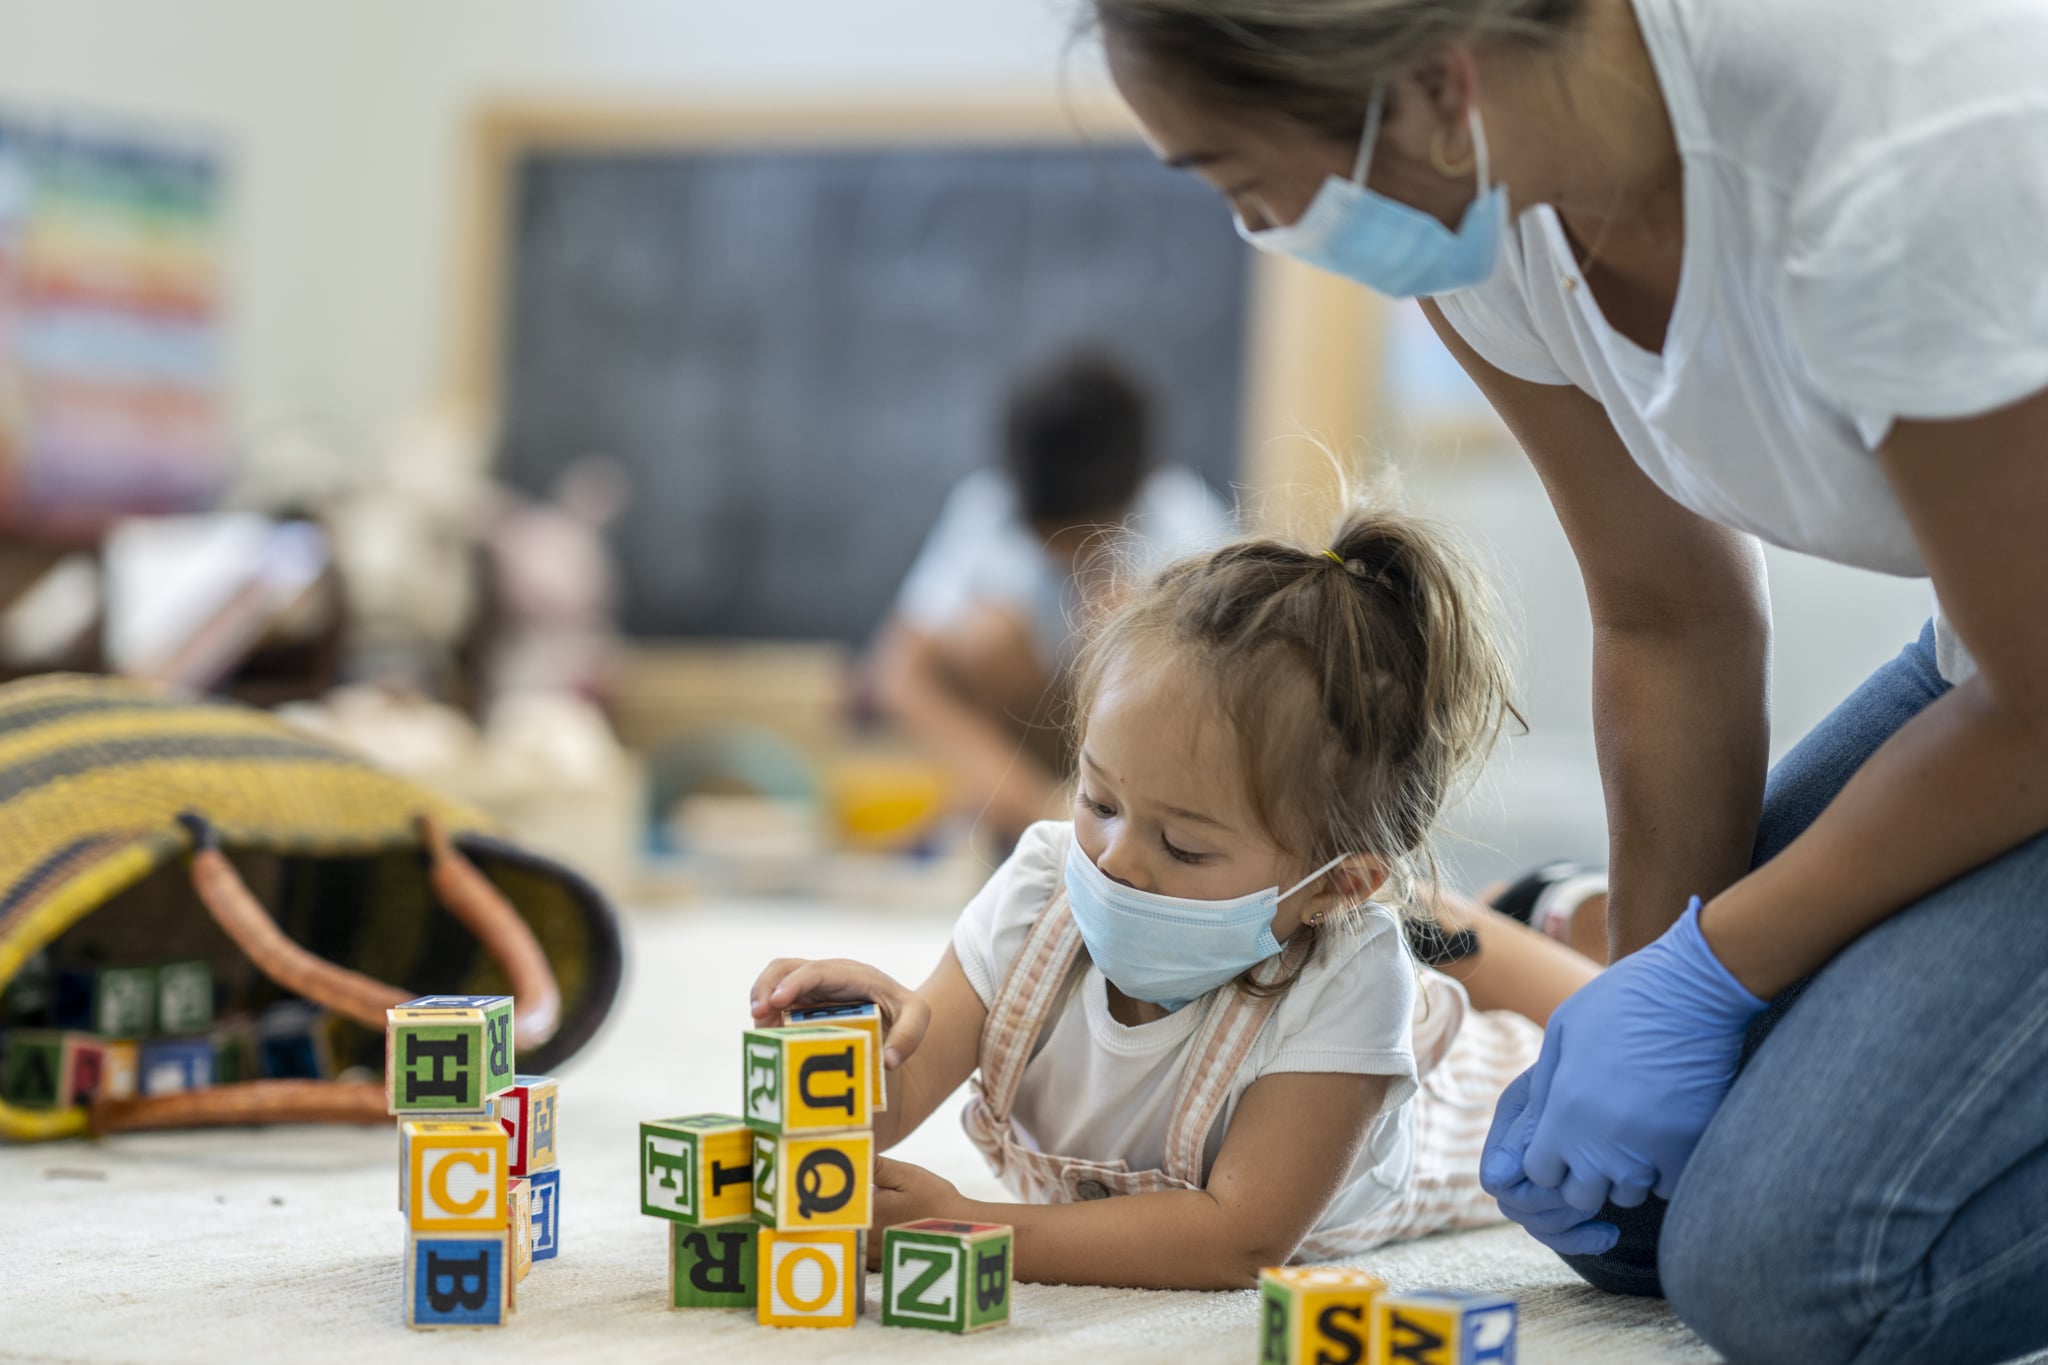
1444,165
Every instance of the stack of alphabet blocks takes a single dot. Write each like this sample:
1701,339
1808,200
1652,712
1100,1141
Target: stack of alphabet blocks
1327,1315
769,1209
477,1179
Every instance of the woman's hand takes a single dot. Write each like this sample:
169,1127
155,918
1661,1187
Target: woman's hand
791,982
905,1193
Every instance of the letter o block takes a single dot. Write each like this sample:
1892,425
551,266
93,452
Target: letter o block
455,1176
457,1281
802,1183
1313,1315
447,1053
1443,1327
697,1170
712,1267
810,1279
806,1079
944,1276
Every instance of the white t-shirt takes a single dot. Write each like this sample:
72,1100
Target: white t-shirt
1103,1091
1866,239
983,552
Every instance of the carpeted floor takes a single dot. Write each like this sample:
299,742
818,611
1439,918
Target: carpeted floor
255,1246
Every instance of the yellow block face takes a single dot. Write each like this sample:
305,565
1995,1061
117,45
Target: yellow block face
1317,1315
868,1019
808,1279
1413,1334
725,1175
455,1177
119,1070
825,1080
821,1182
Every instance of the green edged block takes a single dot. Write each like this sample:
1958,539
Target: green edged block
805,1078
447,1053
944,1276
32,1068
697,1170
124,1002
712,1267
184,997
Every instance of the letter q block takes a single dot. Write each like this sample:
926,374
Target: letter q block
1309,1314
806,1079
1443,1327
801,1183
455,1176
943,1276
697,1170
810,1279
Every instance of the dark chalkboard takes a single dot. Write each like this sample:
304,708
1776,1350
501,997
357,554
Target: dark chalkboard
797,352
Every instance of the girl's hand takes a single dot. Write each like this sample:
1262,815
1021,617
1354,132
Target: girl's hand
905,1193
790,982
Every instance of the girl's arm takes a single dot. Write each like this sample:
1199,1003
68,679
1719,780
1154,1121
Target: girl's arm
1287,1154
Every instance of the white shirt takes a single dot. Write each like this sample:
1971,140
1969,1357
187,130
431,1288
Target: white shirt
1866,239
1103,1091
983,552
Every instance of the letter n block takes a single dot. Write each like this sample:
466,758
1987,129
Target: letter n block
1443,1327
455,1177
944,1276
862,1015
810,1279
697,1169
457,1281
447,1053
1313,1315
806,1079
545,1187
528,1112
802,1183
712,1267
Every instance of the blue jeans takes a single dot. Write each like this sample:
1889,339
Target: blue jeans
1875,1188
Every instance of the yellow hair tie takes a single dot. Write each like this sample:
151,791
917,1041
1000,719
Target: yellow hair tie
1335,558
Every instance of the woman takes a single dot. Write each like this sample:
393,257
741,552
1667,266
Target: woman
1734,269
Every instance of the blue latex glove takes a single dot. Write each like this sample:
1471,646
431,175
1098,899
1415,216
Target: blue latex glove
1564,1229
1632,1069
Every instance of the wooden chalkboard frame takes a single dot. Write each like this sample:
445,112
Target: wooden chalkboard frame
1313,354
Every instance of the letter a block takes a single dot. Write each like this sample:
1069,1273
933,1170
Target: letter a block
944,1276
712,1267
801,1183
1443,1327
439,1053
457,1281
455,1177
867,1018
806,1079
527,1111
545,1187
1316,1315
697,1170
810,1279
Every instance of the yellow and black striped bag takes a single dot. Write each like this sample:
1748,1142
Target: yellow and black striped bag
138,827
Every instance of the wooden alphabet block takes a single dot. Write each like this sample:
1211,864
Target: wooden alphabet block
1316,1315
292,1043
121,1070
32,1068
457,1281
184,997
806,1079
455,1176
447,1053
124,1002
235,1056
810,1279
1443,1327
944,1276
527,1110
712,1267
519,1224
866,1017
545,1187
801,1183
172,1066
697,1169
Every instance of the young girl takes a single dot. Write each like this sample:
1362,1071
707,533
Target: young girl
1203,1045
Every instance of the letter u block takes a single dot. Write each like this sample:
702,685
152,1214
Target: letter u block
862,1015
944,1276
447,1053
803,1183
712,1267
806,1079
1443,1327
455,1177
527,1111
1316,1315
457,1281
697,1170
810,1279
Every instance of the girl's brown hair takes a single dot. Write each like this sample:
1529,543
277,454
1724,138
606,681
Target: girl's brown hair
1363,682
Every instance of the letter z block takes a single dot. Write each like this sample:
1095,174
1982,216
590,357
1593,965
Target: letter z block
866,1017
447,1053
810,1279
457,1281
944,1276
1443,1327
697,1170
546,1190
1316,1315
455,1177
802,1183
806,1079
712,1267
528,1112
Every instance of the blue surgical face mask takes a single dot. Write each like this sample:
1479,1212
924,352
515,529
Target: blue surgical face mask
1383,243
1167,949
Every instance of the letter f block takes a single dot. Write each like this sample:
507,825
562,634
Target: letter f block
697,1170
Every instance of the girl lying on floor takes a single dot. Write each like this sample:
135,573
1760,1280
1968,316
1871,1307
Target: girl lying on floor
1203,1043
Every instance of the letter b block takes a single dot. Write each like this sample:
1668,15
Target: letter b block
806,1079
447,1053
697,1170
944,1276
712,1267
457,1281
455,1177
810,1279
1443,1327
801,1183
1316,1315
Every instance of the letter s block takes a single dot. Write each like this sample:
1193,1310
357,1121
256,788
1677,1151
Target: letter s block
712,1267
697,1170
944,1276
455,1176
1443,1327
527,1111
802,1183
810,1279
457,1281
1316,1315
806,1079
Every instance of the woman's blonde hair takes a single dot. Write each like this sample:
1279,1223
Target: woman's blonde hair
1315,61
1364,683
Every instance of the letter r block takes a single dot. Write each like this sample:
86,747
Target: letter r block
697,1170
712,1267
806,1079
457,1281
1443,1327
455,1176
1316,1315
803,1183
944,1276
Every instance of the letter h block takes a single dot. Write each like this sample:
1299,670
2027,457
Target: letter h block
1443,1327
697,1170
447,1053
527,1110
944,1276
810,1279
805,1183
1314,1314
806,1079
457,1281
454,1178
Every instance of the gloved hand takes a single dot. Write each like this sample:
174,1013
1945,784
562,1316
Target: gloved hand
1632,1069
1564,1229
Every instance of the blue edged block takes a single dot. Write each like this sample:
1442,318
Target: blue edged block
456,1281
171,1066
545,1189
